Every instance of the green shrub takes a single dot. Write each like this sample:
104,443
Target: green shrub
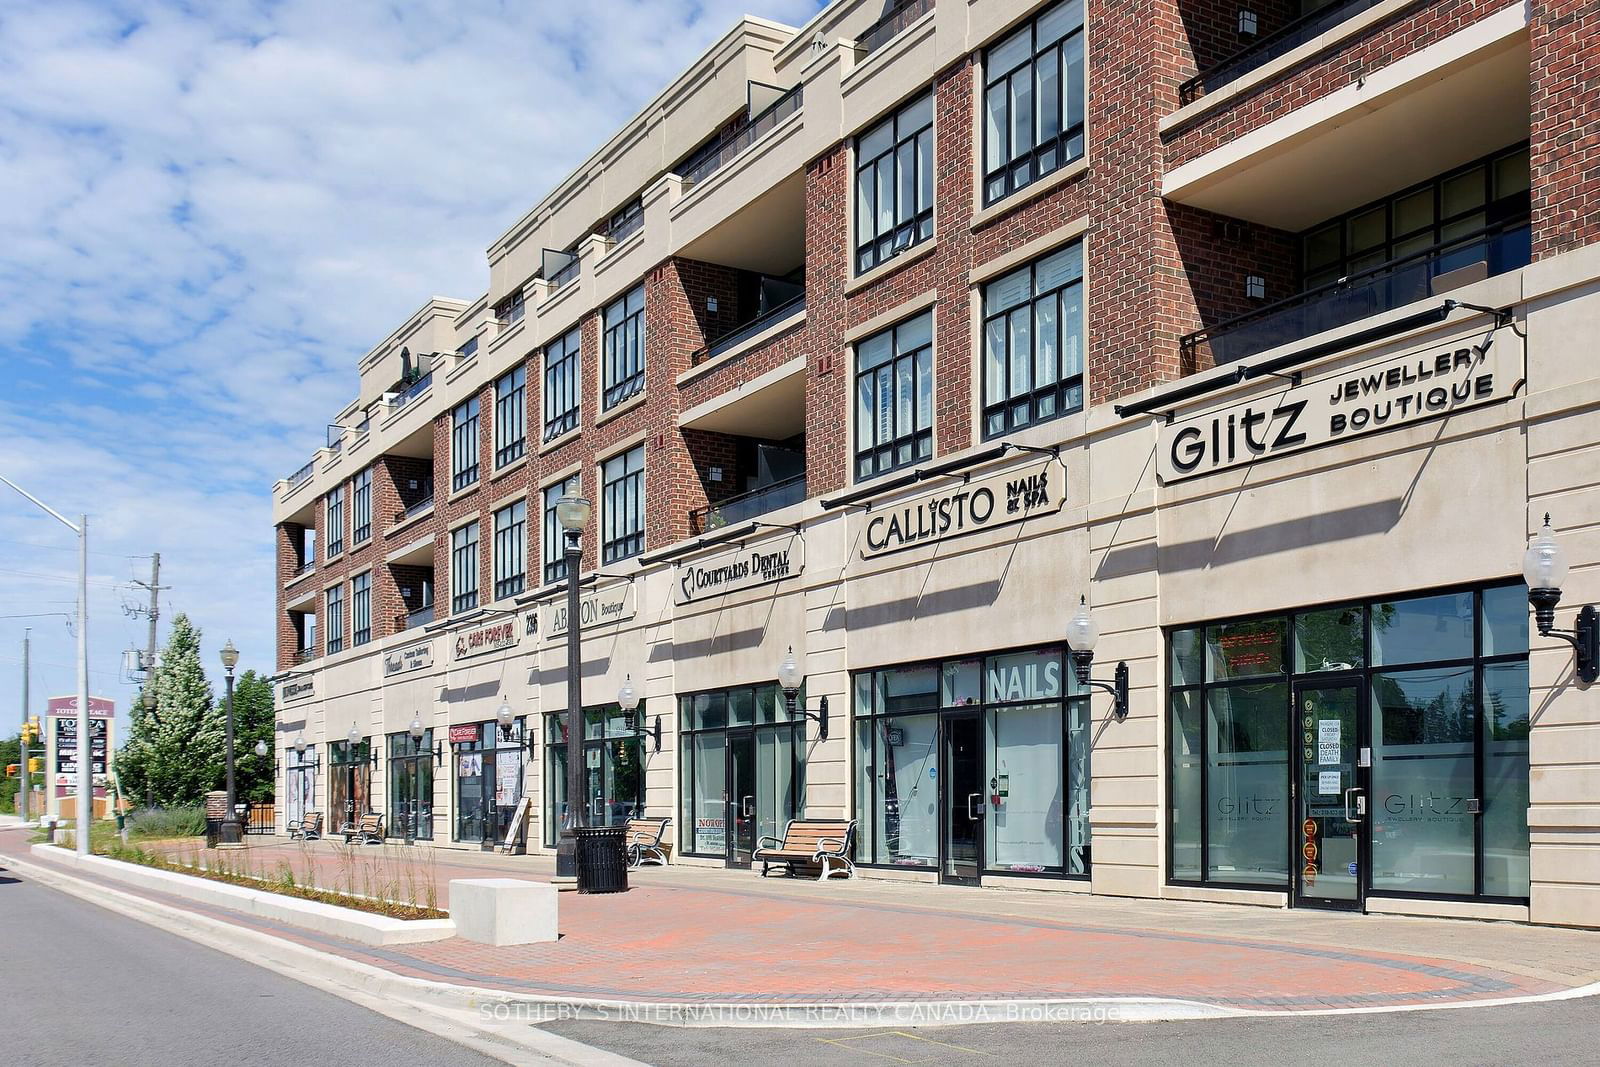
167,822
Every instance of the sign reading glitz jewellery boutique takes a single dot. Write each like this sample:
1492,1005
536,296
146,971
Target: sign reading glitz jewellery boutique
614,603
406,660
739,568
966,507
500,634
1384,395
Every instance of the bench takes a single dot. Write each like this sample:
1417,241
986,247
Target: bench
644,842
308,828
369,831
821,842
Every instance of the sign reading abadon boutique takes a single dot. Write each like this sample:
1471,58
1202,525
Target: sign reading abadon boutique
740,568
1384,395
614,603
966,507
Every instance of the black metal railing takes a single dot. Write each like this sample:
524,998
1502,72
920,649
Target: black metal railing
889,27
260,818
735,145
414,390
786,310
626,228
305,566
748,505
1503,247
414,509
304,655
1264,50
411,619
302,474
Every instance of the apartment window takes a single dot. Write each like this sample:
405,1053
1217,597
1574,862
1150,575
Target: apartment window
334,538
464,568
510,309
555,562
468,349
894,397
1033,101
464,444
894,184
333,633
1476,212
361,609
510,537
1033,343
622,505
624,348
361,506
510,417
561,385
627,220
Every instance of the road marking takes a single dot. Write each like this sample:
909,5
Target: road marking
846,1042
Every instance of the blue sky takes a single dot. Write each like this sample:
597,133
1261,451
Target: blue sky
211,211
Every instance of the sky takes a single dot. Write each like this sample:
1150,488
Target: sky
211,210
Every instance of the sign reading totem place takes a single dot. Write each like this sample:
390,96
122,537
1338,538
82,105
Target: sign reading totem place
743,567
501,634
406,660
614,603
1384,395
960,508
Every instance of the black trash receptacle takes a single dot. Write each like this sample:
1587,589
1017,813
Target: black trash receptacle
213,832
602,859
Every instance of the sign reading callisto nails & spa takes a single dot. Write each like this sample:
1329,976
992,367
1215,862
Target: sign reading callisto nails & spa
965,507
1352,402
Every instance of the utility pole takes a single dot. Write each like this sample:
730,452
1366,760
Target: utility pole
155,587
27,779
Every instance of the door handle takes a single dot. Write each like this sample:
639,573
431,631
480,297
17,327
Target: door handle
970,813
1350,816
745,805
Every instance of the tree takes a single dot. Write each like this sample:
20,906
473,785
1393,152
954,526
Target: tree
174,752
252,722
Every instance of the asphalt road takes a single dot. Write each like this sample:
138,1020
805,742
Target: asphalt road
150,997
1549,1034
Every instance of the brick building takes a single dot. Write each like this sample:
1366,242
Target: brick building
892,337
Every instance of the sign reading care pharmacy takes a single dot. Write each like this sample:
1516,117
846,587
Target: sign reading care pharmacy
742,567
614,603
1383,395
960,508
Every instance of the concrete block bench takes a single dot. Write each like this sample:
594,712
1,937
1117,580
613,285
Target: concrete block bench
503,911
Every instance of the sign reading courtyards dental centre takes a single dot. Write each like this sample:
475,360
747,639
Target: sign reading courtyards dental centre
1384,395
738,568
958,508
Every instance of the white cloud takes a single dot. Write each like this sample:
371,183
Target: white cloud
211,212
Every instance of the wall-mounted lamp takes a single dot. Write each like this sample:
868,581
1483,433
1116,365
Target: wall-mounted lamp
506,719
1083,633
1255,287
1249,23
416,730
1544,566
790,674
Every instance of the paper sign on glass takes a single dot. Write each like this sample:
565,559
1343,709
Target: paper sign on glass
1328,733
1328,783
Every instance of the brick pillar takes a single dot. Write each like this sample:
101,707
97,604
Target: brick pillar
1564,38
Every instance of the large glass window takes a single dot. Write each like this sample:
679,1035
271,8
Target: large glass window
510,549
1033,343
488,778
561,391
624,348
555,560
333,632
894,397
1033,101
622,505
754,720
361,608
361,506
510,417
511,309
349,782
1446,682
613,754
464,568
410,786
464,444
300,783
894,184
333,538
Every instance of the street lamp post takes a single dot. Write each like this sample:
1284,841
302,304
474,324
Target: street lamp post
232,836
573,512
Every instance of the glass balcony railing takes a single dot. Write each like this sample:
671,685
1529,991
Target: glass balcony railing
890,26
302,474
1265,49
566,275
421,617
787,310
414,390
735,145
415,508
1399,282
748,505
304,655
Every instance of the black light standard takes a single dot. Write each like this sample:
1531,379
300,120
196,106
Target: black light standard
791,675
1083,633
231,835
573,512
1544,566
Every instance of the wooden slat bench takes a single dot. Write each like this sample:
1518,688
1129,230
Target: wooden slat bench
820,842
308,828
644,842
369,831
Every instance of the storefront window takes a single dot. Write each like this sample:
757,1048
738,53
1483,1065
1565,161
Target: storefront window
1422,779
1247,779
613,768
1330,640
488,778
410,786
349,782
743,769
300,784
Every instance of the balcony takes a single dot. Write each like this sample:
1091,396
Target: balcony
783,312
414,390
890,26
302,474
735,144
412,619
304,655
1265,49
1430,272
749,505
566,274
418,507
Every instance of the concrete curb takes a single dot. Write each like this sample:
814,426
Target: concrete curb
504,1013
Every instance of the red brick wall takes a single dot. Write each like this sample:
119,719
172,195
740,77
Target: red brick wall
1211,28
1565,105
1216,254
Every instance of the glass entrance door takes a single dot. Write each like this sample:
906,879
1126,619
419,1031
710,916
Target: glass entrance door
742,791
961,792
1331,831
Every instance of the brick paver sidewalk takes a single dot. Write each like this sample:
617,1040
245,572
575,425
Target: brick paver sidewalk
692,935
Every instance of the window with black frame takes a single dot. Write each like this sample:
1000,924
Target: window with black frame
510,417
361,507
1033,98
464,444
333,632
894,184
555,559
745,731
626,220
410,765
334,537
1033,343
561,390
464,568
623,323
488,778
1444,678
894,397
510,549
361,608
613,755
349,781
511,309
622,505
